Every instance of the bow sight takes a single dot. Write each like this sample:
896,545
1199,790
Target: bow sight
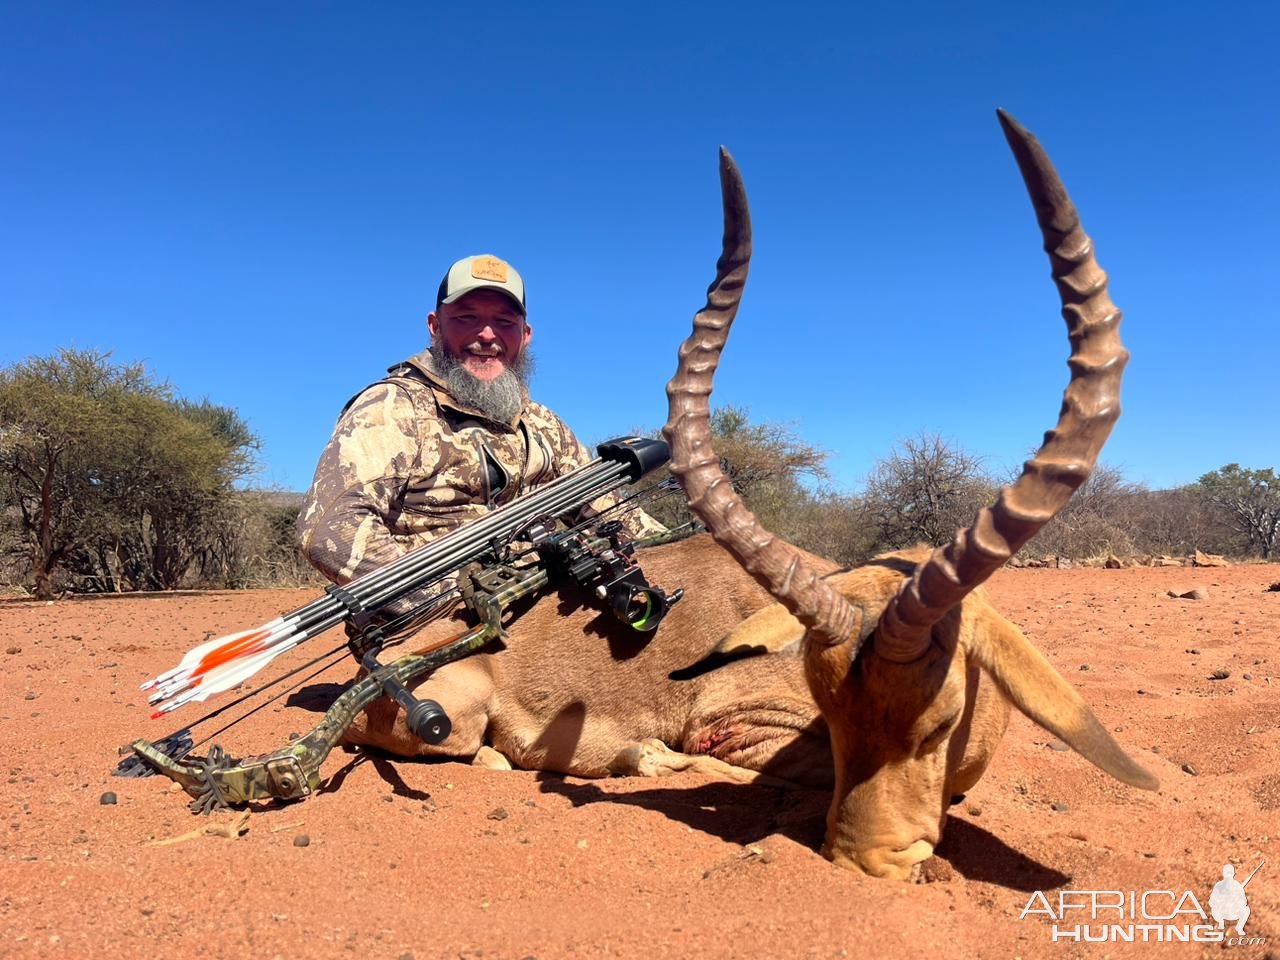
610,565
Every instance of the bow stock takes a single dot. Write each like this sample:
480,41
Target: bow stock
293,772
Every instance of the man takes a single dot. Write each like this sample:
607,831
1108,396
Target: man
1228,900
448,436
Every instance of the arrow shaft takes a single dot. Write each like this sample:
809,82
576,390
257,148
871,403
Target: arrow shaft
223,663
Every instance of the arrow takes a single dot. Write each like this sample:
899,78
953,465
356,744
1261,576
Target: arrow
229,661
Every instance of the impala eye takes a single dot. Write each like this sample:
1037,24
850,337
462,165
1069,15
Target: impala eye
938,734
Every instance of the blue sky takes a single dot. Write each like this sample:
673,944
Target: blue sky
259,200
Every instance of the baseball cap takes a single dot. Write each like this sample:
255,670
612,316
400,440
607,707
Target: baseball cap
483,270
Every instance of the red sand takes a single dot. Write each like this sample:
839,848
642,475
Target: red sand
442,859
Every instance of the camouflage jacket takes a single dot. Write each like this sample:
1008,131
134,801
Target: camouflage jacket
407,463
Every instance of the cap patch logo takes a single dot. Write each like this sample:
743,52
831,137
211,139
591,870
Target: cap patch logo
489,268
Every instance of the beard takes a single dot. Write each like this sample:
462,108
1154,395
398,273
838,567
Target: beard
499,399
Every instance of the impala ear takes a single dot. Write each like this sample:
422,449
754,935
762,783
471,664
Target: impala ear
1033,686
765,631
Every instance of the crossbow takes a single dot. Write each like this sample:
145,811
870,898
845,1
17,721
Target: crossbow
478,563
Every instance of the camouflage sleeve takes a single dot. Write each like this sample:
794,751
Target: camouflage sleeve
345,528
570,454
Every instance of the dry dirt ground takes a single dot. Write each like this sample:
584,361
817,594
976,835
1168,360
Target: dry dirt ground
424,860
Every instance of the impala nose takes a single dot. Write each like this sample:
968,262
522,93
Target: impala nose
888,863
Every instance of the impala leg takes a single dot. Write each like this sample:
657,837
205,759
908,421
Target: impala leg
491,759
653,758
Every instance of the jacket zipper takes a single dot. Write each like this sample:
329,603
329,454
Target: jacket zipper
491,495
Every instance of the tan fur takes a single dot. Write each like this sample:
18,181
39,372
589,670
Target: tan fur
576,693
770,630
896,651
573,689
908,737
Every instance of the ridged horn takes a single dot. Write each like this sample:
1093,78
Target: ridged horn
1090,407
775,564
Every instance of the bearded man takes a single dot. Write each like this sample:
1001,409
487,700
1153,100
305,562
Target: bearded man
447,436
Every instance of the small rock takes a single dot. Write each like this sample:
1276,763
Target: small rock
302,840
1199,559
428,805
1059,746
1247,676
1219,674
1274,588
1083,667
1077,835
107,799
295,736
936,870
1149,855
497,813
12,650
1155,749
975,811
1193,650
1190,768
1059,806
29,696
